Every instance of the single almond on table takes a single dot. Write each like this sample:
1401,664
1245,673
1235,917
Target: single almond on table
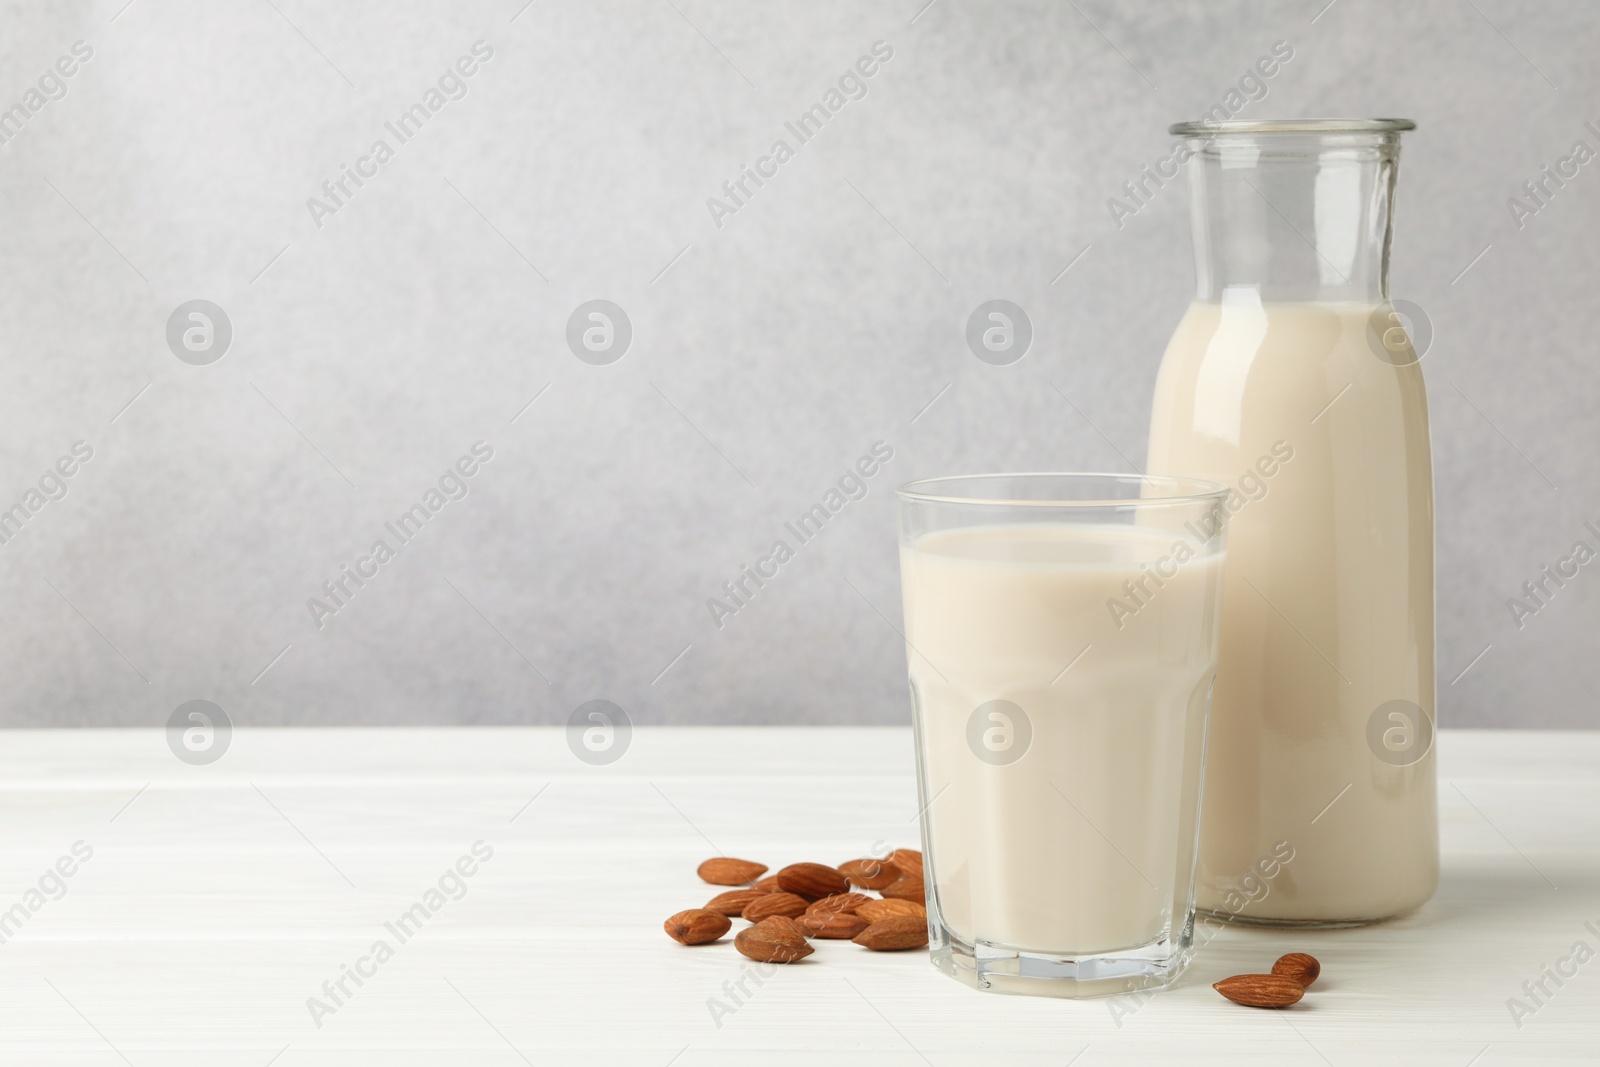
844,903
812,880
894,934
725,870
831,924
771,944
697,926
909,860
769,884
878,910
786,904
869,873
734,901
783,922
908,887
1300,966
1260,990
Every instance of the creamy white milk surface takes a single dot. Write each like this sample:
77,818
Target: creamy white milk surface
1059,733
1327,659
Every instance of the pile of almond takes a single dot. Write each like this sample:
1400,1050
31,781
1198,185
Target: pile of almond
1287,983
808,901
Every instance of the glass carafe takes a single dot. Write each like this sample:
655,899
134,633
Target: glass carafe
1292,380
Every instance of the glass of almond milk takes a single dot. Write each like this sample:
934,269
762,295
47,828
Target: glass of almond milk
1061,635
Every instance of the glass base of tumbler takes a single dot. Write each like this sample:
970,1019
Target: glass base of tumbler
997,969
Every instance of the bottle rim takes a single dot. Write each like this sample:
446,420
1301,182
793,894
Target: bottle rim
1216,127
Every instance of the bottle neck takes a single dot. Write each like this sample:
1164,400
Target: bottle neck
1292,216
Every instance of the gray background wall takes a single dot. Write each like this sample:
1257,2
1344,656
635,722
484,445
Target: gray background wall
768,354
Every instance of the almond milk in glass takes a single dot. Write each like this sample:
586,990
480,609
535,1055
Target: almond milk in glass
1060,728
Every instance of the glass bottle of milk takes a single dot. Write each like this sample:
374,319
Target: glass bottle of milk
1292,379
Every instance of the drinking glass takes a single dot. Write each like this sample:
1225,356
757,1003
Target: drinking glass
1061,635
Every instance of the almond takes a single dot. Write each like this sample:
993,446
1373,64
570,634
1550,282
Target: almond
696,926
841,903
725,870
908,887
783,922
1300,966
869,873
812,880
909,860
831,924
769,884
894,933
771,944
733,902
878,910
786,904
1260,990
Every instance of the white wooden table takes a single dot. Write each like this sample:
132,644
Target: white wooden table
218,899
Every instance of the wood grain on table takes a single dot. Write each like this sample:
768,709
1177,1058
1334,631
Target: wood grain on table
209,910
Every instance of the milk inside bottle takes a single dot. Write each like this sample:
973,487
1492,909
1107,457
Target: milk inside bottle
1292,379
